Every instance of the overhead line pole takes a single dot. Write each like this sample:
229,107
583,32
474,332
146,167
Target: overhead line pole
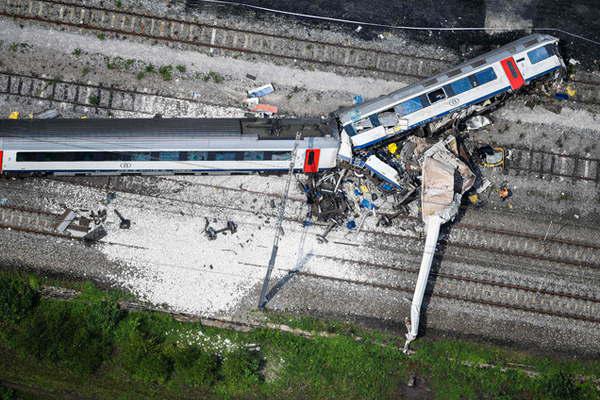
278,230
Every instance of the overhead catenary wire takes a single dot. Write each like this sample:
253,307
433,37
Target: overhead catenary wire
389,26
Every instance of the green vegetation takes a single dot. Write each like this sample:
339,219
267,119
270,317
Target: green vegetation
215,76
181,68
77,52
119,63
166,71
89,348
85,70
140,75
150,69
93,100
118,3
101,36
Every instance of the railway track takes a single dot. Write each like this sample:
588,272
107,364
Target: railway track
504,243
448,286
229,41
548,164
98,96
219,39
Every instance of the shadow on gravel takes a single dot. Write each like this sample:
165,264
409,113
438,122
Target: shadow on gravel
286,278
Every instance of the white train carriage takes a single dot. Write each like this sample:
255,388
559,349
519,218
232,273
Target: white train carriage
165,146
505,69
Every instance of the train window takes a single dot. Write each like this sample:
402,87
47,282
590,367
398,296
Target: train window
482,77
539,54
197,156
461,86
141,156
512,69
436,95
254,156
280,155
224,155
168,156
409,106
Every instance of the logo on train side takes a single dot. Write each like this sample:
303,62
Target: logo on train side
125,165
454,101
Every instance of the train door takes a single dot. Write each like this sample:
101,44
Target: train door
311,161
512,73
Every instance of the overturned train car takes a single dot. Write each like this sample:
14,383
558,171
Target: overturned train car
165,146
503,70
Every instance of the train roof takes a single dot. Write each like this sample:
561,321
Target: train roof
266,129
102,134
345,115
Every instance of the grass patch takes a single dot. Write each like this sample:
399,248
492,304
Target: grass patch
181,68
89,348
166,72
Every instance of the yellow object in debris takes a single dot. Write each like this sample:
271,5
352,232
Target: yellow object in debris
392,148
474,199
571,91
14,115
364,189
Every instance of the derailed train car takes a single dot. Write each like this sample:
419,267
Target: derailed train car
503,70
165,146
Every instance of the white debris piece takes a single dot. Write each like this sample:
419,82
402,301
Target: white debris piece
383,170
477,122
345,152
369,136
440,204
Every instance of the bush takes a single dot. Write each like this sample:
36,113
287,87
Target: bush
7,393
558,385
78,335
17,298
240,372
141,346
195,367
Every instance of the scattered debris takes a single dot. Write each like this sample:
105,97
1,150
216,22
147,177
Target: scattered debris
110,196
124,222
251,77
261,91
3,201
267,109
95,234
358,29
13,115
251,101
48,114
477,122
491,157
212,233
65,220
504,192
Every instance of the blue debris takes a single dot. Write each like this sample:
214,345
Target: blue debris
561,96
351,224
367,204
358,100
